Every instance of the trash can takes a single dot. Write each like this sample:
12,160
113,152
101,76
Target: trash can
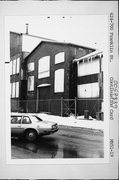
86,114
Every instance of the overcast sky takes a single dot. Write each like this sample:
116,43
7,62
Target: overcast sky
88,30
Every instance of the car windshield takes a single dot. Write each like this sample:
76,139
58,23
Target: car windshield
39,119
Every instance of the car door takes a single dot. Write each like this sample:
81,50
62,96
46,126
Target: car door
26,123
16,125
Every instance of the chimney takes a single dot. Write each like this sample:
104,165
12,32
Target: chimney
27,28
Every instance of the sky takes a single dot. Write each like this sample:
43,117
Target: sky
87,30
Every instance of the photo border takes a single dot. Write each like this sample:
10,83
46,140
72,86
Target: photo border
110,169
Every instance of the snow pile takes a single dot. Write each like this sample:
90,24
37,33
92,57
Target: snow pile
73,122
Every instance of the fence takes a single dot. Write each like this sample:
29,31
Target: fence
62,107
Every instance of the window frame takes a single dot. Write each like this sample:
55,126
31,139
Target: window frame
15,66
14,89
91,88
32,89
43,73
57,57
57,81
33,68
16,120
30,122
91,64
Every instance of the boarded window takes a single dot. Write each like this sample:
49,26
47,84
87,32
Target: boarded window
88,67
31,83
31,66
15,66
59,80
15,89
88,90
44,67
11,67
60,57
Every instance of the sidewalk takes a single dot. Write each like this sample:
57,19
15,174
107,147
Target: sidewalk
74,122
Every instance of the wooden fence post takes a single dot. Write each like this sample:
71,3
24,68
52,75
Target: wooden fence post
61,106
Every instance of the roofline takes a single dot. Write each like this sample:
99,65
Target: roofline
52,40
86,47
38,37
57,42
15,32
88,55
31,35
68,43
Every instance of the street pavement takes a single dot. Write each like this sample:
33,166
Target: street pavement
68,142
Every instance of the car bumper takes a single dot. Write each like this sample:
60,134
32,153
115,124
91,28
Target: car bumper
46,132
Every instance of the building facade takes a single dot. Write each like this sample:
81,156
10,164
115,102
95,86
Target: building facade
21,44
52,76
90,84
16,58
55,77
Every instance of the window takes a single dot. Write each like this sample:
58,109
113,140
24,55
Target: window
88,90
11,67
60,57
26,120
15,89
15,66
16,119
30,66
31,83
88,67
59,80
44,67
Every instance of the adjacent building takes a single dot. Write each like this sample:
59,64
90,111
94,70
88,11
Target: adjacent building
55,77
21,44
90,84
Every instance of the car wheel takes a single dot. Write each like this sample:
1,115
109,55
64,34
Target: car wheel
31,135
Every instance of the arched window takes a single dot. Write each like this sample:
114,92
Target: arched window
44,67
59,81
60,57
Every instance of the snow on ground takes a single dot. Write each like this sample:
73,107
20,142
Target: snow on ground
74,122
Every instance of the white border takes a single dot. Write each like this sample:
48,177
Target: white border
61,160
108,170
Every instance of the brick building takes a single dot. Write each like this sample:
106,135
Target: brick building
21,44
55,77
52,76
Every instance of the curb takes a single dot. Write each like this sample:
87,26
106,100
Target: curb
66,126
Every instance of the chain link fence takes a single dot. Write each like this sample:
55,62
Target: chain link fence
62,107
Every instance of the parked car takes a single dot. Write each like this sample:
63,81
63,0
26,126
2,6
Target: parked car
31,126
